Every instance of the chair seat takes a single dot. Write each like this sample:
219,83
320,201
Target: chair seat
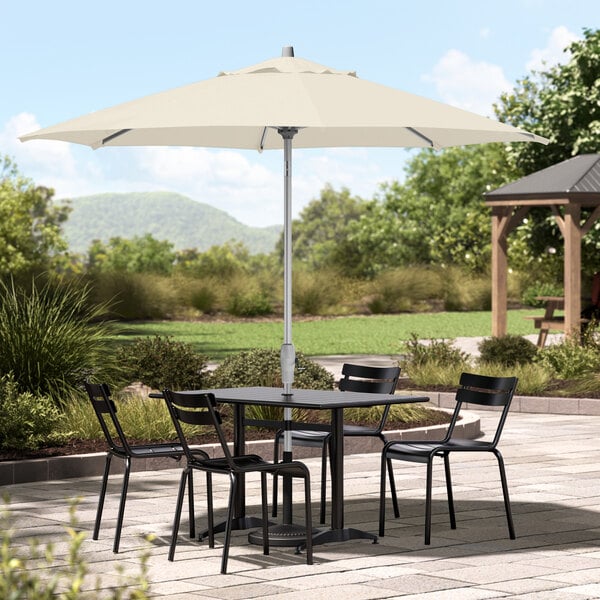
252,462
423,450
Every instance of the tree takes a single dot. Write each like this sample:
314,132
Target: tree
561,103
319,234
30,225
438,215
138,255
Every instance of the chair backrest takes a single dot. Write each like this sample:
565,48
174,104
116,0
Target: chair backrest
371,380
484,391
375,380
196,409
106,412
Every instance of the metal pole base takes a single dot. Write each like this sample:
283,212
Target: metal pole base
282,535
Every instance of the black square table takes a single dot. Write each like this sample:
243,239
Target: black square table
333,401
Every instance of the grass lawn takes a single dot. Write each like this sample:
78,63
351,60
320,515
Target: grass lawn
375,334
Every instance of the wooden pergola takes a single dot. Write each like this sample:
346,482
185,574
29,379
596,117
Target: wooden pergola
565,188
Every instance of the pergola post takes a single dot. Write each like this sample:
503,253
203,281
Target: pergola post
499,271
572,269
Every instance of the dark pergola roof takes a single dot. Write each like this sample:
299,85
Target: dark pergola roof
576,179
566,189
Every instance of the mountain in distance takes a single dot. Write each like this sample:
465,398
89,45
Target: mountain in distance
166,216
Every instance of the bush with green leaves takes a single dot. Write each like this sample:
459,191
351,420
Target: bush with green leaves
440,352
162,362
52,337
569,360
508,350
539,288
31,572
27,422
262,367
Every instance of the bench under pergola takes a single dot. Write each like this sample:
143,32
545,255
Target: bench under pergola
566,189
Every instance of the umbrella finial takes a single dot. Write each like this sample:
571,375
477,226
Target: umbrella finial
287,51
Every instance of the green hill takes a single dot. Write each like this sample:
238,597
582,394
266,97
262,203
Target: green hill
166,216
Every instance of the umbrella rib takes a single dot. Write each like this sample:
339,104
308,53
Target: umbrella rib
421,136
112,136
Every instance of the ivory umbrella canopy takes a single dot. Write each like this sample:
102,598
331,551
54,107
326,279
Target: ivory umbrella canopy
272,105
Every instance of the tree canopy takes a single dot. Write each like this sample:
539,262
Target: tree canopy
30,225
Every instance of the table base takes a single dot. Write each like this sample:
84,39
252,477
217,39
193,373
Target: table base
295,535
237,524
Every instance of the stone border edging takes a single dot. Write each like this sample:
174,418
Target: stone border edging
92,465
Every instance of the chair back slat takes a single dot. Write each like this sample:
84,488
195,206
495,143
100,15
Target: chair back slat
362,378
104,406
483,390
196,409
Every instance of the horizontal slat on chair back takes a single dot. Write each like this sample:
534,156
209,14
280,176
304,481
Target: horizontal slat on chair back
188,408
376,380
100,396
485,391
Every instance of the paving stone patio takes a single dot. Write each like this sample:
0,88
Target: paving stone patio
553,468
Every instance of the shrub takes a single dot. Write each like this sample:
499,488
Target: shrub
249,304
263,368
51,338
439,352
528,297
28,572
508,350
163,363
135,296
569,360
403,290
27,422
315,292
533,378
462,291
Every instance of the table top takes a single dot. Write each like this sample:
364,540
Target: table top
314,399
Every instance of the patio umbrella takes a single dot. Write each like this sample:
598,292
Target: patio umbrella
271,105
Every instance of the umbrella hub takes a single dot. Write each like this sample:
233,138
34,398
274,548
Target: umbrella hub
287,51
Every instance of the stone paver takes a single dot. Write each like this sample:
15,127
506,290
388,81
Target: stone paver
553,469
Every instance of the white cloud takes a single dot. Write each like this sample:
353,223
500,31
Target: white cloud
554,52
463,82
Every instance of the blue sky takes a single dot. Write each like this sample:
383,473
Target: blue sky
65,58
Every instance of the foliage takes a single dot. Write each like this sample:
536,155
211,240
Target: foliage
225,262
439,351
569,360
52,338
533,378
403,290
540,288
249,304
318,292
561,103
163,363
508,350
136,255
134,296
27,422
30,225
319,235
444,191
412,414
36,574
465,291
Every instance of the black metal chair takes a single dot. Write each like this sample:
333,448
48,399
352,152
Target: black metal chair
201,409
474,389
355,378
118,445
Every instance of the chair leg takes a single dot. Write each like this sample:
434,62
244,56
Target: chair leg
228,524
509,519
102,496
275,477
265,512
428,501
326,444
393,488
191,505
177,518
210,509
308,520
122,505
384,463
449,490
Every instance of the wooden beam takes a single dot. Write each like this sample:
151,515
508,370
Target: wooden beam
572,270
501,216
585,229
